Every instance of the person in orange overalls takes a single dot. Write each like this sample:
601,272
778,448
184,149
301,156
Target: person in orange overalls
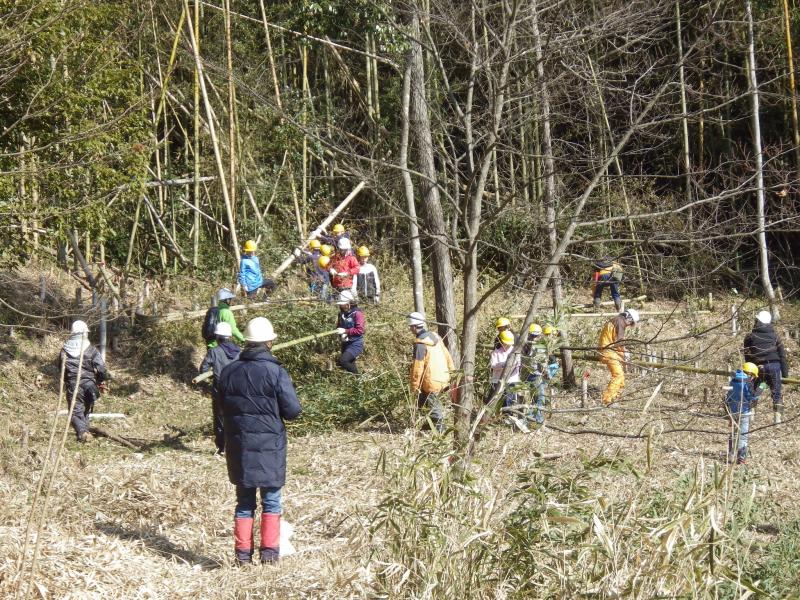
612,351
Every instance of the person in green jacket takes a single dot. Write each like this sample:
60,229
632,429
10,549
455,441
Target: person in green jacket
226,316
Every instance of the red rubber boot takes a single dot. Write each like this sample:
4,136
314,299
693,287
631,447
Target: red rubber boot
243,540
270,538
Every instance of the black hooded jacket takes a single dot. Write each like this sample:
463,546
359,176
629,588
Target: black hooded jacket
762,345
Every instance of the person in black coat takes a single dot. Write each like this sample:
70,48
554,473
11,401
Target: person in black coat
763,347
84,368
257,396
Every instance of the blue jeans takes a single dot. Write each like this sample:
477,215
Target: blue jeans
739,435
539,387
606,281
246,501
509,394
770,373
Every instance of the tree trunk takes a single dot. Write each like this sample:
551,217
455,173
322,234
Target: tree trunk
550,192
757,150
408,188
434,215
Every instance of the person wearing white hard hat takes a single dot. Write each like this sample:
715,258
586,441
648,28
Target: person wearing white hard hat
343,267
764,348
84,377
350,325
431,368
217,358
613,354
257,397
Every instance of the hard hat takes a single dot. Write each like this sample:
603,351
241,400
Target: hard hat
314,244
224,294
506,337
223,329
259,330
326,250
549,330
764,317
416,319
338,228
535,329
324,261
344,244
79,327
363,251
249,246
346,297
502,322
750,369
632,314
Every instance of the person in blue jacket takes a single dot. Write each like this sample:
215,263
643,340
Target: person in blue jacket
739,404
250,276
257,397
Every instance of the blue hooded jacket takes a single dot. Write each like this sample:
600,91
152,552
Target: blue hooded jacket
741,398
250,273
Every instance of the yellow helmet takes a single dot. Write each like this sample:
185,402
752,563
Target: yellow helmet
314,244
338,228
326,250
750,369
324,261
249,246
502,322
535,329
549,330
363,251
506,337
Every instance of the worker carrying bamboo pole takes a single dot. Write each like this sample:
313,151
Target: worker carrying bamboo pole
338,233
85,375
250,276
223,353
607,274
613,353
257,397
350,325
764,348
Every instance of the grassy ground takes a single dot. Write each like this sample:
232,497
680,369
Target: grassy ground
157,523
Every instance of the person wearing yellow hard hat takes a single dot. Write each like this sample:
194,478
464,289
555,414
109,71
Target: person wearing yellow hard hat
337,233
540,367
326,250
502,324
367,283
318,277
740,403
497,363
250,276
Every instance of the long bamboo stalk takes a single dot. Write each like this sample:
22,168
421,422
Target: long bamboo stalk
787,26
196,143
231,106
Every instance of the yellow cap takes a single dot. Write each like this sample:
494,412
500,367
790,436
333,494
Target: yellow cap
506,337
338,228
535,329
326,250
314,244
324,261
363,251
549,330
502,322
750,369
249,246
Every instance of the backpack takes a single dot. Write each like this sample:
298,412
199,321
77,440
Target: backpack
210,323
616,272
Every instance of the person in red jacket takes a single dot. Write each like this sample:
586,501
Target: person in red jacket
343,266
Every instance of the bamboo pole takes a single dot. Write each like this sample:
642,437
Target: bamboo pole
314,234
231,104
73,238
787,26
196,143
215,141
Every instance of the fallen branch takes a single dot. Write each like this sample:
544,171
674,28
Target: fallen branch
116,438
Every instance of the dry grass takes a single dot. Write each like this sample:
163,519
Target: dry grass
157,524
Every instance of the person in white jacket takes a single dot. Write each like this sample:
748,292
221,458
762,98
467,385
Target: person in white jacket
367,283
497,362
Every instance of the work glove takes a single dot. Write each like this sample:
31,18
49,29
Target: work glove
627,357
341,331
103,387
333,272
377,299
297,252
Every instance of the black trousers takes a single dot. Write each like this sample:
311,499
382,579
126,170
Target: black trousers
216,421
347,361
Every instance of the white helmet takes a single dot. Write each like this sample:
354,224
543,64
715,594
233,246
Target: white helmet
416,319
632,314
346,297
224,294
344,244
223,329
79,327
259,330
764,317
